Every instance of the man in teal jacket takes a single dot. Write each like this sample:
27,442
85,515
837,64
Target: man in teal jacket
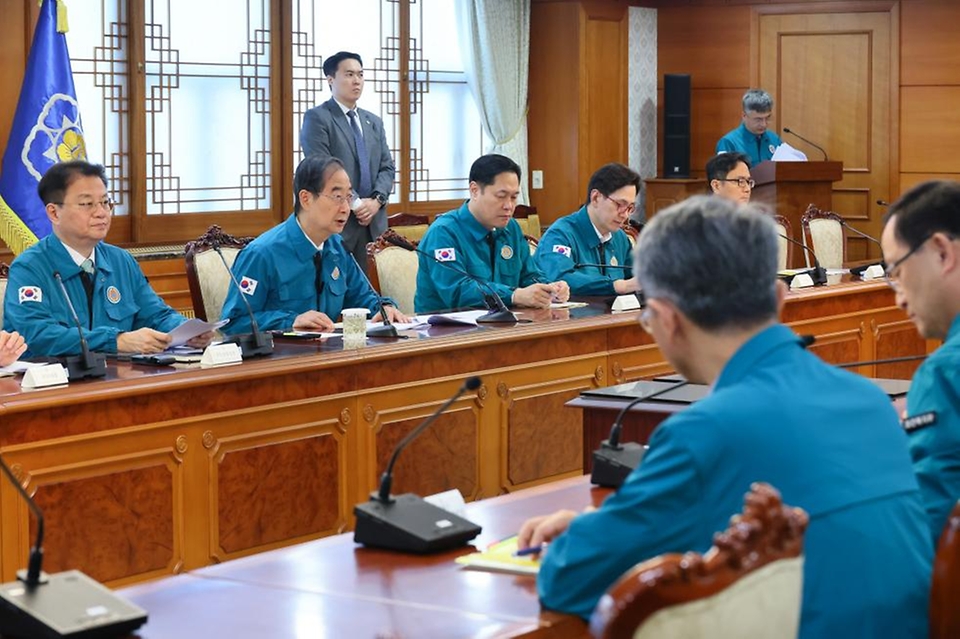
921,245
120,313
752,137
299,274
828,439
575,246
483,239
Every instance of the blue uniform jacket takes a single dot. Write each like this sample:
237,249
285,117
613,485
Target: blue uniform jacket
122,300
756,147
573,240
933,427
831,443
278,274
456,237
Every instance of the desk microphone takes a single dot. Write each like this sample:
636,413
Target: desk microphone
87,363
65,604
613,461
818,274
499,313
387,329
408,523
817,146
255,343
883,203
858,270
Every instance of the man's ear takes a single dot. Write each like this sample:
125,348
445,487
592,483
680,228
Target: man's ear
781,297
53,213
947,250
668,318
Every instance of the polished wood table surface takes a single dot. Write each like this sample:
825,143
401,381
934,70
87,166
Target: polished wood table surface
334,588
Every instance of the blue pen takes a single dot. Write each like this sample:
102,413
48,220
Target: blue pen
532,550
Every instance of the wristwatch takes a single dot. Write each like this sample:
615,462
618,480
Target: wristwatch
379,197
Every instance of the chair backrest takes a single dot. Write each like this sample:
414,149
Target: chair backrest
528,219
393,270
785,252
945,593
532,242
4,276
823,233
749,584
409,225
207,277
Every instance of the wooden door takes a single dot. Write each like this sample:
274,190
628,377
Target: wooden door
832,77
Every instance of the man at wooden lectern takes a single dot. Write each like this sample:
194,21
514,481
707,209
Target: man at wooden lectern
752,137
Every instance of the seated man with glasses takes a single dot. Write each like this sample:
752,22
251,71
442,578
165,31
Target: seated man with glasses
299,274
728,175
826,438
921,247
753,138
118,310
588,249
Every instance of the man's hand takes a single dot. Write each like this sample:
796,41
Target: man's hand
143,340
393,314
203,340
12,347
561,291
544,529
313,321
623,287
367,209
534,296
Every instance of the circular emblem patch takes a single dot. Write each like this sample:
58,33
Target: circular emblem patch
113,295
506,252
772,149
613,261
335,274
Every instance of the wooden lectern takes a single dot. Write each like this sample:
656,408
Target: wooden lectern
789,187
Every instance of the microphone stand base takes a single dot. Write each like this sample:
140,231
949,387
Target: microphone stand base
386,330
250,346
79,367
407,523
498,317
612,466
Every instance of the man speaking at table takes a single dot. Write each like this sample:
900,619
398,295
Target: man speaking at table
483,239
827,439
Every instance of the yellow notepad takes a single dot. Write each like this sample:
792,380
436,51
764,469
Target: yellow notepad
499,557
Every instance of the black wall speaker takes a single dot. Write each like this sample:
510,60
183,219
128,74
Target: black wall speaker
676,125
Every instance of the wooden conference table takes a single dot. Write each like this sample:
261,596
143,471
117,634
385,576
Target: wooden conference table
154,471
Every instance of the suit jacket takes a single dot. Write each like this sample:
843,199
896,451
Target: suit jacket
326,131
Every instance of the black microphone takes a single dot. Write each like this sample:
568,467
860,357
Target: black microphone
499,313
820,148
388,329
889,360
818,274
883,203
66,604
858,270
613,461
407,522
87,363
588,265
255,343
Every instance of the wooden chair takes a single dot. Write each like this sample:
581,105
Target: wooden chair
785,252
823,232
207,277
749,584
409,225
393,270
4,276
945,593
528,219
532,242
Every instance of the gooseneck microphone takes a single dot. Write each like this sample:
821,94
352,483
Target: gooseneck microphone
858,270
255,343
818,274
883,203
589,265
813,144
87,363
65,604
387,329
407,522
499,313
613,461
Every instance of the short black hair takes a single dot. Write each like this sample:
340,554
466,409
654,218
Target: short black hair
58,178
331,64
486,168
311,176
612,177
720,165
928,208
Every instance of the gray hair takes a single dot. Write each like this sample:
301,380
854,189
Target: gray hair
714,260
757,100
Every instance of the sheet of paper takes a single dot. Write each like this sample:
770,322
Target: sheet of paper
786,153
567,304
190,329
499,557
17,367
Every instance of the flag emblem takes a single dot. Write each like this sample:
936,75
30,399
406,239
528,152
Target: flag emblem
30,294
445,255
248,285
562,250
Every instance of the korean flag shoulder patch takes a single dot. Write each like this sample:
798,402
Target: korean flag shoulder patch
30,294
445,255
248,285
562,250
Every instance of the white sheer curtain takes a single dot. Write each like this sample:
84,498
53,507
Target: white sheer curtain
495,45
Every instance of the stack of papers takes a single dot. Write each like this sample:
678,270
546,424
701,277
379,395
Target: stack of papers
499,557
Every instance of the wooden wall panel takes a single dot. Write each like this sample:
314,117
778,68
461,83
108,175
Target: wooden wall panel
929,51
710,43
931,130
13,53
910,180
604,88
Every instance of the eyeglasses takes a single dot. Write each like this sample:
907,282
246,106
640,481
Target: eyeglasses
622,205
742,182
90,207
890,273
342,199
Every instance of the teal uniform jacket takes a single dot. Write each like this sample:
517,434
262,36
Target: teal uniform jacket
278,275
756,147
122,300
933,427
573,240
458,239
827,439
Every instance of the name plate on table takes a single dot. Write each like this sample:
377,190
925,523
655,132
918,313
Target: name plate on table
44,376
221,355
625,303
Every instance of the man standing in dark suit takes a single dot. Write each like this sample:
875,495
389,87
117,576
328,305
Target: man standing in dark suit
355,136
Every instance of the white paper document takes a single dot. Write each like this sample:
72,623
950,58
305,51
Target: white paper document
786,153
192,328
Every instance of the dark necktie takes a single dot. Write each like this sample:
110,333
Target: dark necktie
492,241
86,277
318,280
601,250
366,185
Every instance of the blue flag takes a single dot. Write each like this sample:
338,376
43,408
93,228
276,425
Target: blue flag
46,130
